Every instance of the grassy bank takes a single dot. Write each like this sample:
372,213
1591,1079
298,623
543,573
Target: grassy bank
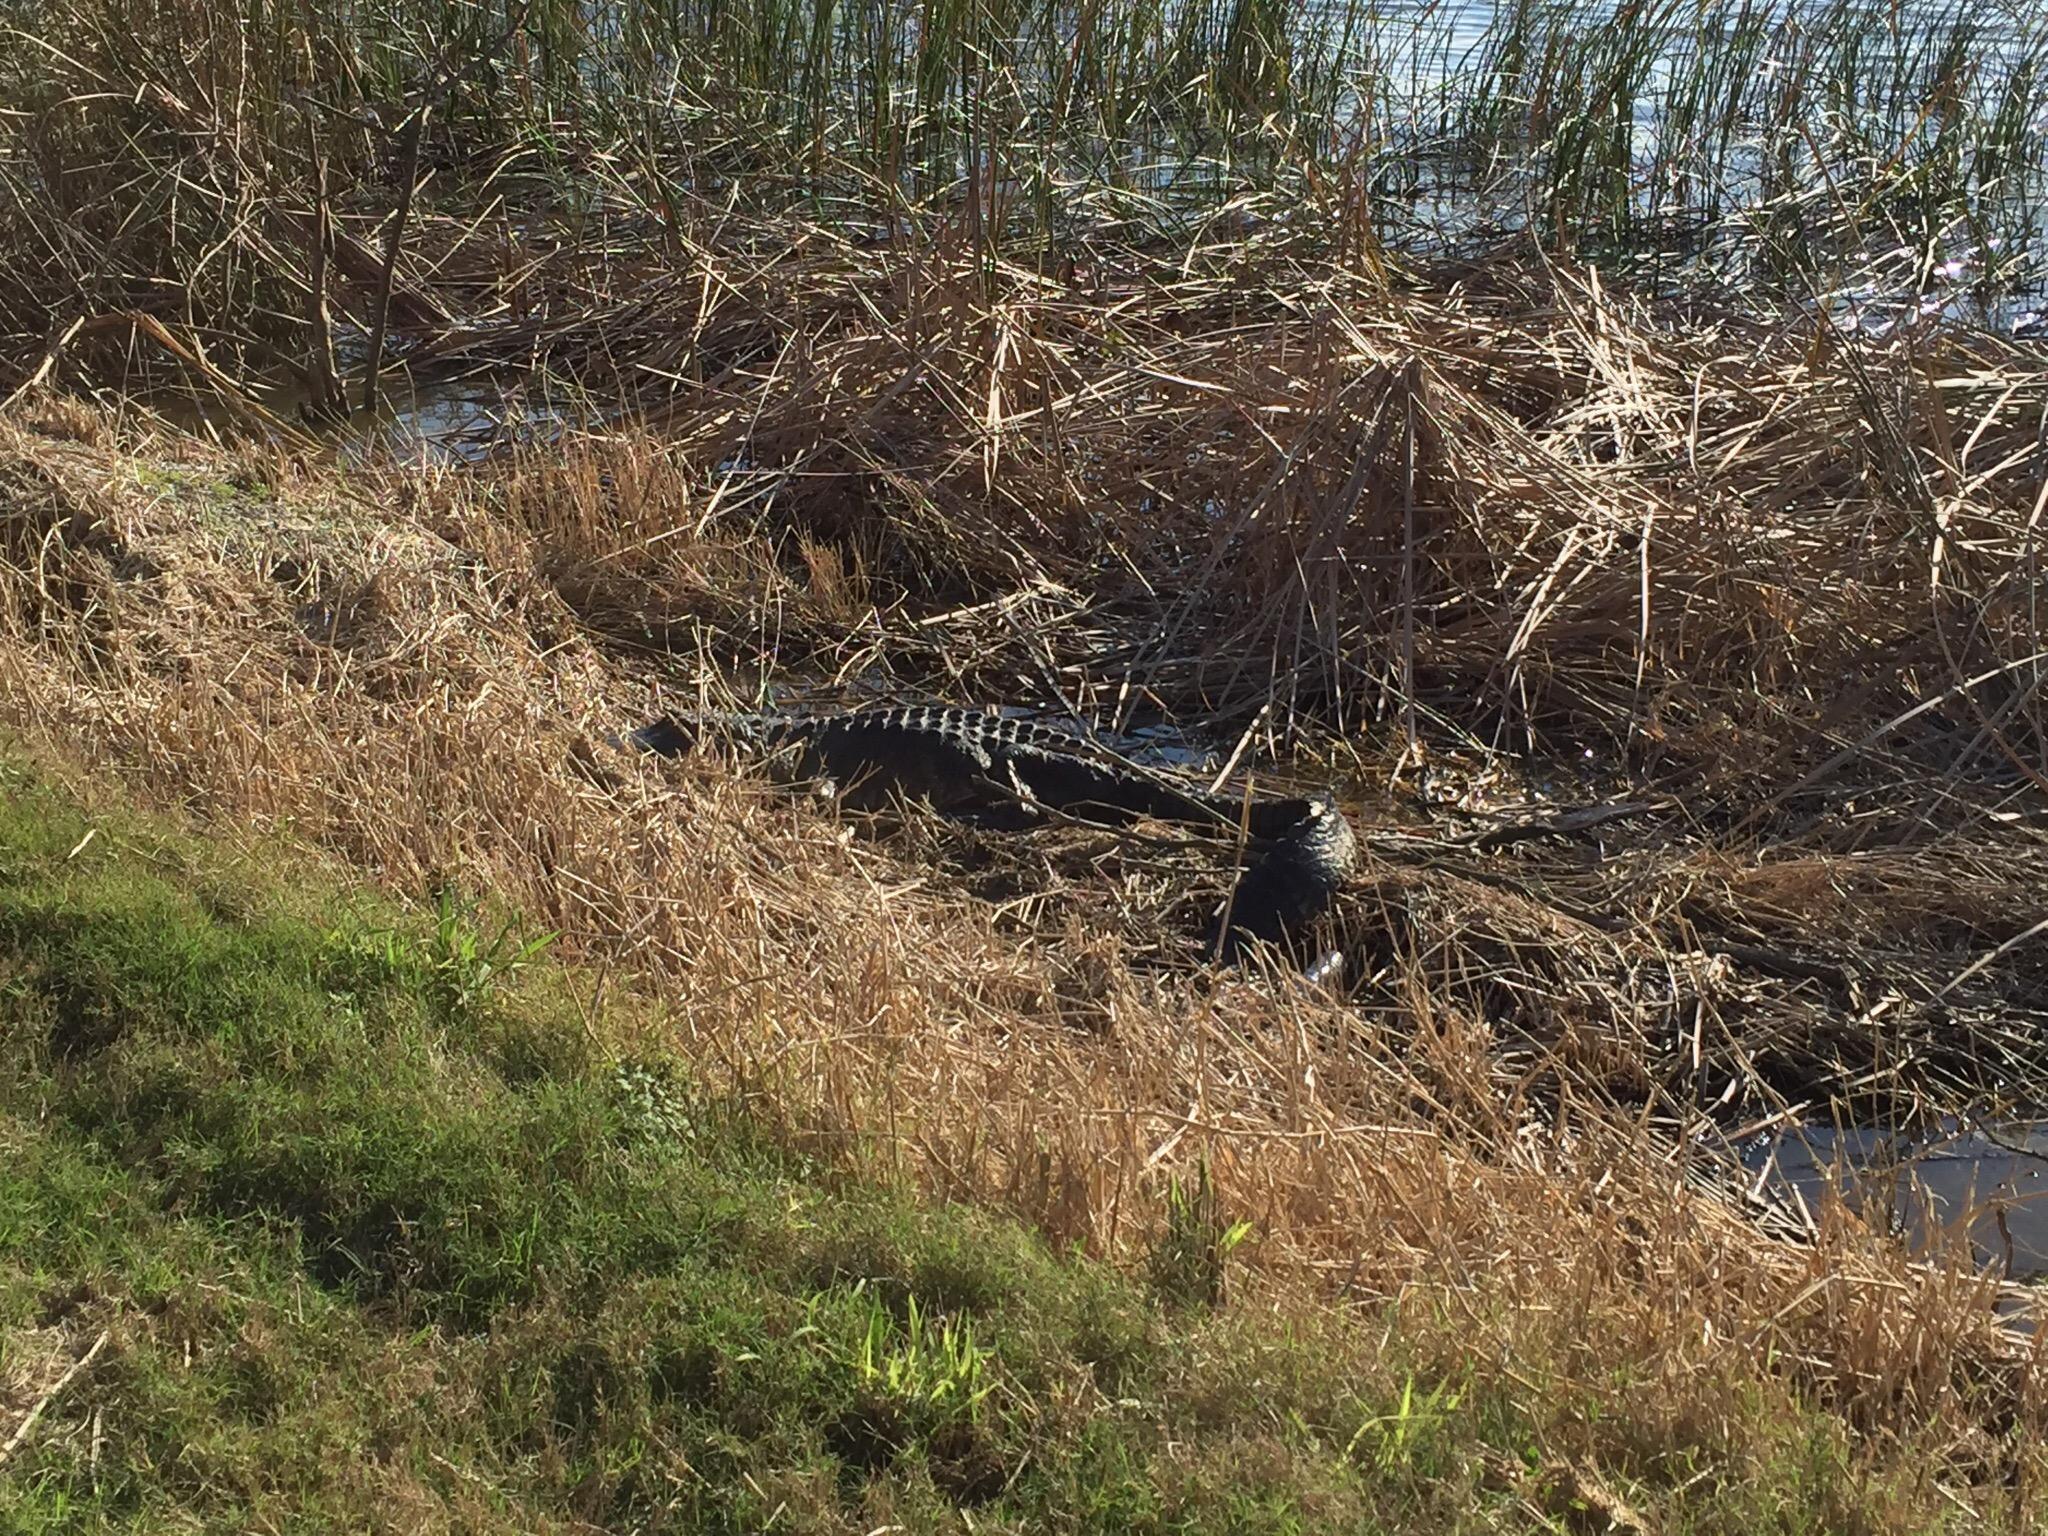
350,1229
388,1160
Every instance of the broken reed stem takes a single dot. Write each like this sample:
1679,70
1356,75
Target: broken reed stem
326,386
409,160
78,1368
1413,741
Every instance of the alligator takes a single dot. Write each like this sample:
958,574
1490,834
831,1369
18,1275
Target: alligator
964,761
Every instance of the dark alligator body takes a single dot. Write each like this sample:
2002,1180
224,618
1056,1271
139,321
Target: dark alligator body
966,760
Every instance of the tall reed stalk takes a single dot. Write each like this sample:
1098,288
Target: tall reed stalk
156,156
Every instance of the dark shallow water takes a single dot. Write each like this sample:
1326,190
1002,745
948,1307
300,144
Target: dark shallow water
1986,1189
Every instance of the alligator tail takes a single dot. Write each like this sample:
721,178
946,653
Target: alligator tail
664,738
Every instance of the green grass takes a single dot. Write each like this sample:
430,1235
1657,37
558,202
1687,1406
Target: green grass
384,1233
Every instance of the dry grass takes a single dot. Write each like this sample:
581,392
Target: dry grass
1586,508
1727,557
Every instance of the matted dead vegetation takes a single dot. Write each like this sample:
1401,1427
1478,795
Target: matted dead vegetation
1783,591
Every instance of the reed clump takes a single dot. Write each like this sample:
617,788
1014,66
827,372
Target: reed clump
256,176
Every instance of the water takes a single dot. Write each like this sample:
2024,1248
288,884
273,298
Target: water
1987,1189
463,421
1657,124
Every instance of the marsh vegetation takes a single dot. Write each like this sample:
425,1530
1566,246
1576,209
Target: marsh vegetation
1578,409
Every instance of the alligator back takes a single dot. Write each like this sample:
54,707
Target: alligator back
947,756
